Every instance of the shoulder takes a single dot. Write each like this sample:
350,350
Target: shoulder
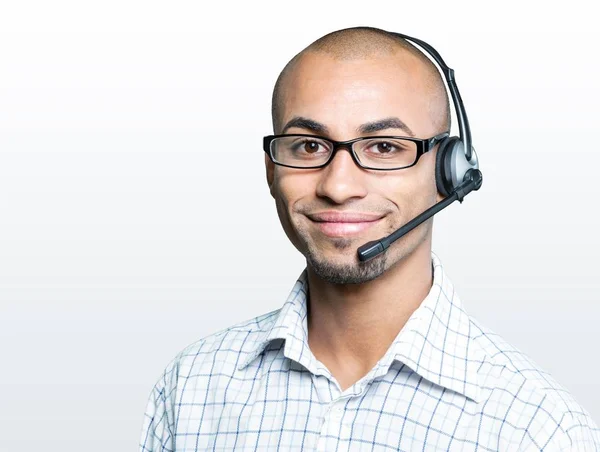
207,362
218,352
524,395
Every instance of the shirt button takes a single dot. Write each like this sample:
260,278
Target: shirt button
337,413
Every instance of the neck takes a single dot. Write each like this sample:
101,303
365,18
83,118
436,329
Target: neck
352,326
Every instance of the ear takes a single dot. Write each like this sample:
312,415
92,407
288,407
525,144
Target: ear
270,171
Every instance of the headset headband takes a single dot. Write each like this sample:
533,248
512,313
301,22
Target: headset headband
461,114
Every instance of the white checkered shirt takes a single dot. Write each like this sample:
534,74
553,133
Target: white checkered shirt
446,383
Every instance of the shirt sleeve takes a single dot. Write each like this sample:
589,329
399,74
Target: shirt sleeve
158,426
578,433
584,435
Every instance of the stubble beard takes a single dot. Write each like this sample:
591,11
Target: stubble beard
355,272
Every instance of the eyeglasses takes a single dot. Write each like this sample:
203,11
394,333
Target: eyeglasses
376,153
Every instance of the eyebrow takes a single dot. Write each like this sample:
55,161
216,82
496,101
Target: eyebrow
305,123
383,124
369,127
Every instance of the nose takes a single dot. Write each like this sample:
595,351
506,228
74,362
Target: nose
342,179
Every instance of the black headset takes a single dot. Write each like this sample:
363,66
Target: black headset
455,155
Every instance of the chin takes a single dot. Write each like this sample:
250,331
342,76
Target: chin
345,267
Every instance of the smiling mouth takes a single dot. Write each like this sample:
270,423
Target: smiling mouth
339,229
344,224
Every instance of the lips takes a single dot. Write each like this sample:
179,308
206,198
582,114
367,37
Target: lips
343,224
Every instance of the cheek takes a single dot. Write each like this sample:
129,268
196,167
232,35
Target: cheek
282,190
291,185
413,189
289,188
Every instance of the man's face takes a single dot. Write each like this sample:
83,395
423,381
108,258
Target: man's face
342,96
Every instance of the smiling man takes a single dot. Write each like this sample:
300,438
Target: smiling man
364,355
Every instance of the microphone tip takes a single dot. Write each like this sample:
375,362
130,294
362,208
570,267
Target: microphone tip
370,250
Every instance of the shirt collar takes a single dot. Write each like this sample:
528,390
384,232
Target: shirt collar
435,342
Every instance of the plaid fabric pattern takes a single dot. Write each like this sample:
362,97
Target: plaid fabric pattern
445,384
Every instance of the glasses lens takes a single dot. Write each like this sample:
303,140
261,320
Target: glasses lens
383,153
299,151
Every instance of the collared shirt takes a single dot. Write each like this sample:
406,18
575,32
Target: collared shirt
445,383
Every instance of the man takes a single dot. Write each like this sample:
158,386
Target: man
373,355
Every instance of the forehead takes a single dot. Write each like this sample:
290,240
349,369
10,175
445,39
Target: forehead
345,93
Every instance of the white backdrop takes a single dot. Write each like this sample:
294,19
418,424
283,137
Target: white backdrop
135,216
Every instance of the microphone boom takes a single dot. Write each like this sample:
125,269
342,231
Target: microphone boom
473,180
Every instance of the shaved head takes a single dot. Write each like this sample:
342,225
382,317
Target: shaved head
363,43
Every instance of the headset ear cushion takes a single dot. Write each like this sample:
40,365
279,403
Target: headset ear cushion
443,170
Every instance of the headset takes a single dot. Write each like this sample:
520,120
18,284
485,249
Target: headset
456,167
455,155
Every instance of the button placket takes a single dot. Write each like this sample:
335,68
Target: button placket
337,412
335,425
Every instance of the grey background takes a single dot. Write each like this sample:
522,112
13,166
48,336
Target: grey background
123,238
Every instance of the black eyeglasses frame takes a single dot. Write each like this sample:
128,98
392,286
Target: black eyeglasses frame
423,145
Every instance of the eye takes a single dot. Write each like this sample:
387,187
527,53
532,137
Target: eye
385,147
310,147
